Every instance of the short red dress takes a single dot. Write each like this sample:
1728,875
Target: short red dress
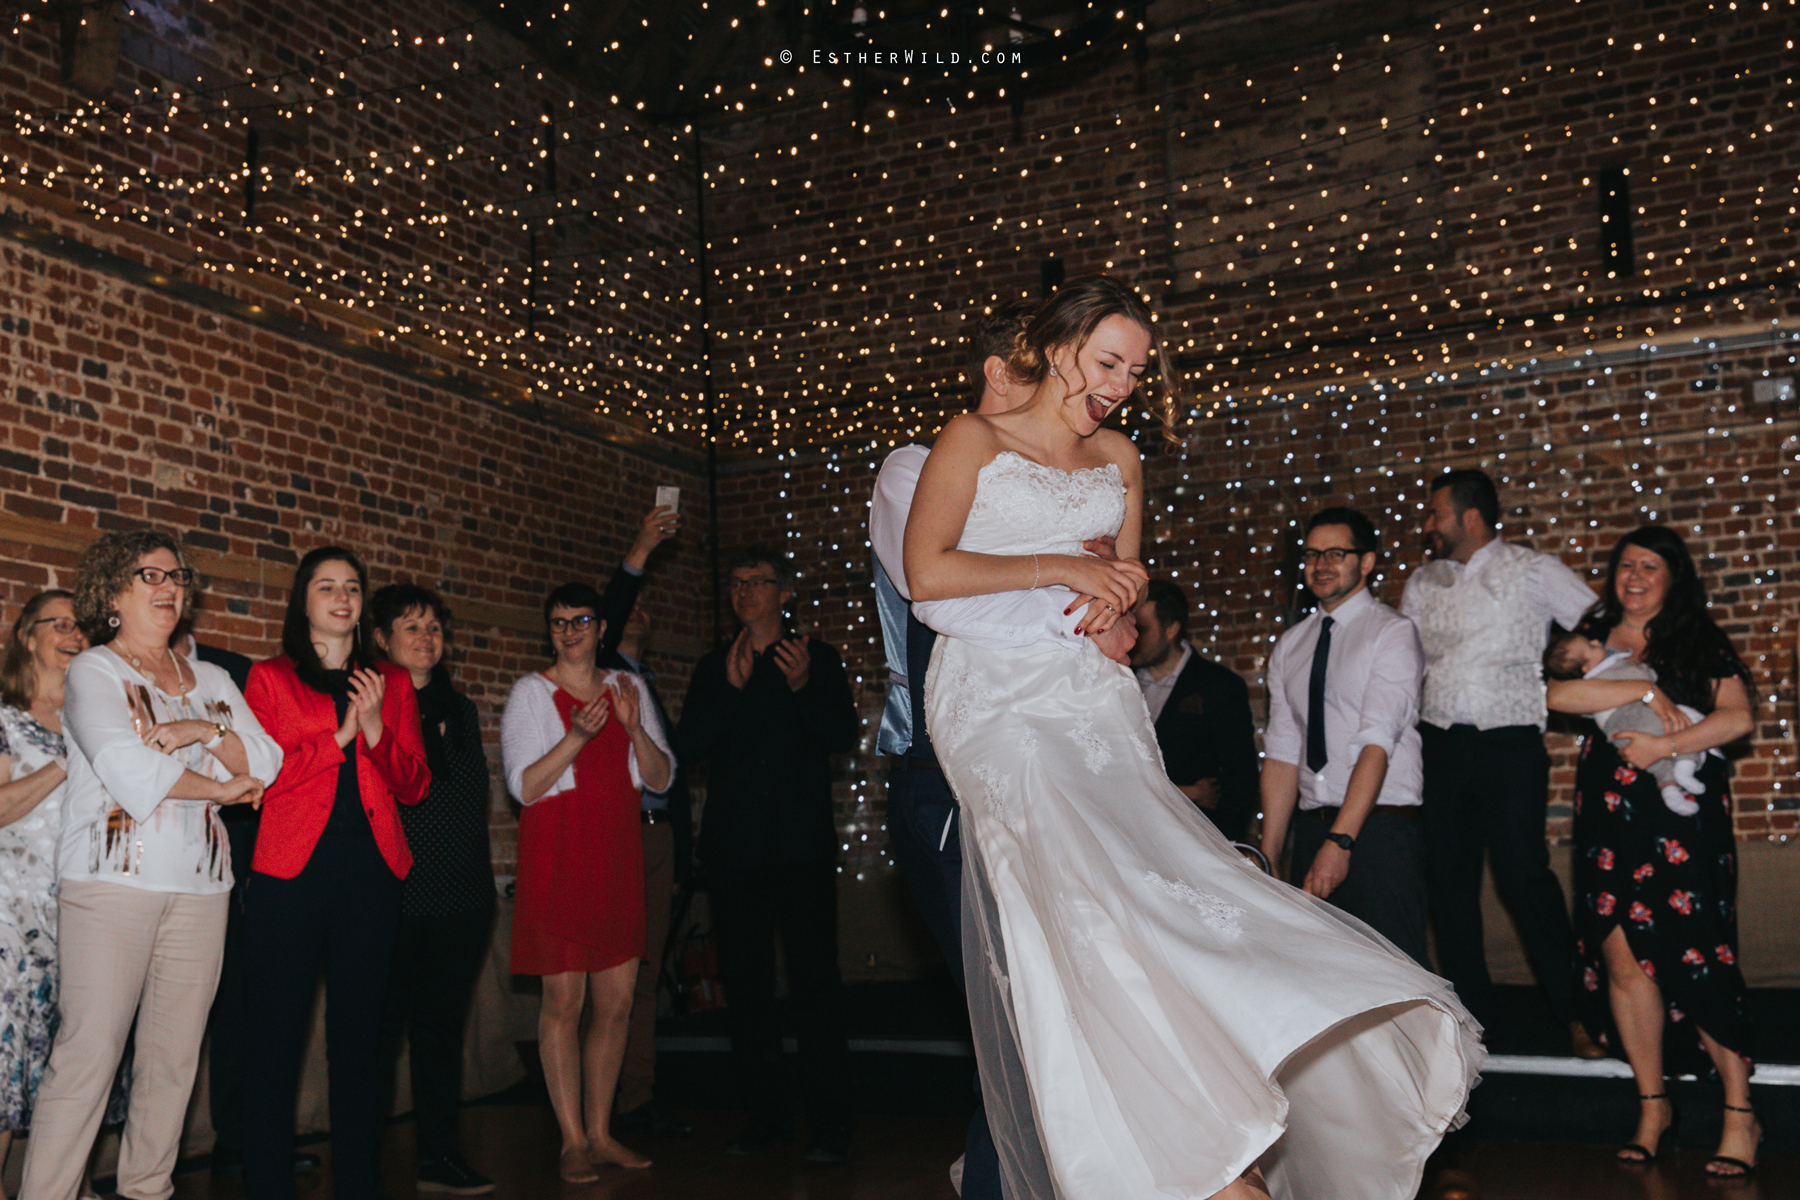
579,900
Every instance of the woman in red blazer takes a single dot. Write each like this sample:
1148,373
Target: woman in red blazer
326,883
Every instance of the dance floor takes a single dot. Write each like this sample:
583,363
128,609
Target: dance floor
904,1158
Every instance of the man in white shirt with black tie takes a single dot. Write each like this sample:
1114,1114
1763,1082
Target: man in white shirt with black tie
1342,743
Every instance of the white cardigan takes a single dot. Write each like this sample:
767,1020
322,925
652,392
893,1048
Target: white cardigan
530,727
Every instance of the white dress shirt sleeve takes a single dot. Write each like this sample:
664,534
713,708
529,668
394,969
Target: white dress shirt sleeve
1411,602
1559,593
1390,699
1282,737
999,621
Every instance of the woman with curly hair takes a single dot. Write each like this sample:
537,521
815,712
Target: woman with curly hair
1656,890
156,742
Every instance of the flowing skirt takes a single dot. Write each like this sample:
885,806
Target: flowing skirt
1152,1014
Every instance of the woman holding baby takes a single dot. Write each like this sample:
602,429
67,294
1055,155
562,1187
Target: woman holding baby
1656,890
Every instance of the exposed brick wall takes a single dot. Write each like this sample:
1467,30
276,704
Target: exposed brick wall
1372,259
368,354
397,407
120,410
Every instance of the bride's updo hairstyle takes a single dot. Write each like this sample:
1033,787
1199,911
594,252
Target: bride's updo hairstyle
1070,317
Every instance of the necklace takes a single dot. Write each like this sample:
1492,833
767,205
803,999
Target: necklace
138,665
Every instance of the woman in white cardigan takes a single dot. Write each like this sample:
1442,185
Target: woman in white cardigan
579,746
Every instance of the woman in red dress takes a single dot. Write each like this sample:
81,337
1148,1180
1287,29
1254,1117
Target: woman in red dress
579,747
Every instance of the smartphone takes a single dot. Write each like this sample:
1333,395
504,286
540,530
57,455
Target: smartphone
669,498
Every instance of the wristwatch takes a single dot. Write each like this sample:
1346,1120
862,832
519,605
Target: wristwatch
217,737
1342,839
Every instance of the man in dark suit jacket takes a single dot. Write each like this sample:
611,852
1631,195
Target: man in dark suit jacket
1201,711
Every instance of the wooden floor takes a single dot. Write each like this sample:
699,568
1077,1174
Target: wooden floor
905,1158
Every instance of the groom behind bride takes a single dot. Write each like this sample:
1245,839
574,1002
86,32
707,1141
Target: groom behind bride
922,816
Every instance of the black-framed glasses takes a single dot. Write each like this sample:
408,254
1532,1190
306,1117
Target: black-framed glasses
744,585
154,576
559,624
1334,555
62,625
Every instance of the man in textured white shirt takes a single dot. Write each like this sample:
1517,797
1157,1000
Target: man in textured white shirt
1342,742
1483,609
922,817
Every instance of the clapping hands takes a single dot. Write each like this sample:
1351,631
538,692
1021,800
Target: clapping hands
589,719
791,655
625,702
363,714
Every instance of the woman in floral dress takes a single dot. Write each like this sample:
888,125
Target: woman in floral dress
44,639
1656,891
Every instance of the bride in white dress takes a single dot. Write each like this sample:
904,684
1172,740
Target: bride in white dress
1154,1017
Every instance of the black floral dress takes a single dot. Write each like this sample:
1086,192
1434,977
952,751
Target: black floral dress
1670,882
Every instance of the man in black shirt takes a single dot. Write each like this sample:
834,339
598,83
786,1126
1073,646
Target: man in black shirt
766,713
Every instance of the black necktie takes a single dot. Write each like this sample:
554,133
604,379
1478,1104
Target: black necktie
1315,700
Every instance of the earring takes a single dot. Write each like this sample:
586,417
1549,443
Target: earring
1053,372
113,621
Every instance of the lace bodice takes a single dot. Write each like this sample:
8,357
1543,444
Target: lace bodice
1025,507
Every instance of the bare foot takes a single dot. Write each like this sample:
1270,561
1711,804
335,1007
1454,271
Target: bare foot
602,1151
574,1166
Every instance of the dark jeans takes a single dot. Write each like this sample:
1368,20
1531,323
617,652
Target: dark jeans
920,807
436,961
750,906
1386,884
228,1025
1488,791
340,912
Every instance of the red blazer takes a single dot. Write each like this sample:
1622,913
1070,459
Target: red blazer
304,723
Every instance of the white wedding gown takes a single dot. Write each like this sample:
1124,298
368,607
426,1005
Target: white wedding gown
1152,1013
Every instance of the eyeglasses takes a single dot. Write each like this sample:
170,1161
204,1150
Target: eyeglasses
744,585
62,625
154,576
1334,555
559,624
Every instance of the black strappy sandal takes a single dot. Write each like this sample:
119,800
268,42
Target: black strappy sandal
1739,1168
1635,1152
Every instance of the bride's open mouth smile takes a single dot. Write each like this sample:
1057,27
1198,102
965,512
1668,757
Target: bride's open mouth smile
1100,407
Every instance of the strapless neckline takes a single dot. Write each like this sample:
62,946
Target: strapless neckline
1106,468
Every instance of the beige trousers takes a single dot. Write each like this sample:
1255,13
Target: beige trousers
124,951
637,1074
